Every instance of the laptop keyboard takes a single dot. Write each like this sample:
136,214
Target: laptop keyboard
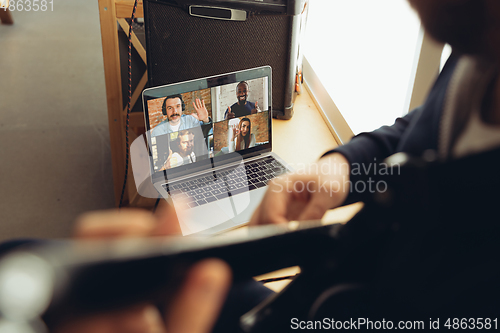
225,182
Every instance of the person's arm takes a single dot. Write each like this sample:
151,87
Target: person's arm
379,144
255,108
232,146
368,148
158,130
201,111
232,142
168,161
252,141
175,160
308,195
229,114
208,122
283,201
191,121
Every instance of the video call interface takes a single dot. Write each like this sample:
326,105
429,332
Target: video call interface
197,125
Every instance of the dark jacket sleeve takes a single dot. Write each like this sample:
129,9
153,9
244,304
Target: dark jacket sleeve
379,144
370,148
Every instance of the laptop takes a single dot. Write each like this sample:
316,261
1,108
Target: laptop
210,147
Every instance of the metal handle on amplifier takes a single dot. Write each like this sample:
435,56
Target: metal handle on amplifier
218,13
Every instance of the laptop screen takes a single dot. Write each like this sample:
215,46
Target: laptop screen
192,125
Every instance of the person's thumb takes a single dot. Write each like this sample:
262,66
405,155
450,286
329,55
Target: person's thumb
316,208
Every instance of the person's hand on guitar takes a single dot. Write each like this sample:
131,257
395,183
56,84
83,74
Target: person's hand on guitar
197,303
305,195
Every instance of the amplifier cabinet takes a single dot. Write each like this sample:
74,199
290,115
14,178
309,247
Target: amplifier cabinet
187,40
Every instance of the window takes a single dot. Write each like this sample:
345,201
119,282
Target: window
362,56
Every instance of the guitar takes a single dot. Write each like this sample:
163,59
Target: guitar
426,246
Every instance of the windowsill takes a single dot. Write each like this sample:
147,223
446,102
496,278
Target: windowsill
325,106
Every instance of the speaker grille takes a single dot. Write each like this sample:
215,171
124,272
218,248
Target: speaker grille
182,47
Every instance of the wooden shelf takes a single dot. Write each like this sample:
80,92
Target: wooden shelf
5,16
124,9
112,15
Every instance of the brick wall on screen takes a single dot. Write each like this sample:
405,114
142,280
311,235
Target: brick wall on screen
154,106
220,135
259,128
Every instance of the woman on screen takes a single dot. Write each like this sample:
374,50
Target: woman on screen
242,136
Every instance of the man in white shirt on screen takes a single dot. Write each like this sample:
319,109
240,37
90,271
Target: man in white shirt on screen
185,152
173,107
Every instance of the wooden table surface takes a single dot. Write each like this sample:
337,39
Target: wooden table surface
305,137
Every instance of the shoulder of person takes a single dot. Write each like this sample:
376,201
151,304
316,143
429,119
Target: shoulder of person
190,117
160,127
